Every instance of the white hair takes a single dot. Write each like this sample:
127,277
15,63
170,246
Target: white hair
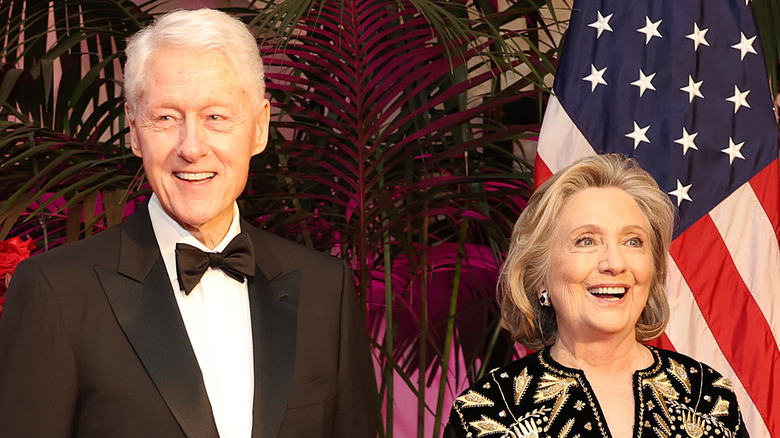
199,30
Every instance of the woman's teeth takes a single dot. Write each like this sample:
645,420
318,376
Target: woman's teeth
608,293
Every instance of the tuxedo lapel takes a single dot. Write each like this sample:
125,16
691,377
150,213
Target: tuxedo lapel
141,297
273,300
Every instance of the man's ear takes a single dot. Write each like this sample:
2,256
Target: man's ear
131,123
262,122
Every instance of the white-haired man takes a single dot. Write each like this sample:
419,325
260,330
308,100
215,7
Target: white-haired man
185,320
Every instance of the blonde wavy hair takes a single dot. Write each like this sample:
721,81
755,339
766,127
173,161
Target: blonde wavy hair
528,260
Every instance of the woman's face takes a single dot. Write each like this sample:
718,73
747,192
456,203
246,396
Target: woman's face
601,266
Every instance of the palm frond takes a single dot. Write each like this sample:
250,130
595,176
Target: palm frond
767,13
389,148
61,120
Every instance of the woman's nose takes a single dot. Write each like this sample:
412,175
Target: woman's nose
612,260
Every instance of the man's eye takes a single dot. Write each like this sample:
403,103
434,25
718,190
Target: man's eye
214,117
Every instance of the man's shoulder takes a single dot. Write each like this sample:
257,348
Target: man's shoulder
100,246
287,252
95,247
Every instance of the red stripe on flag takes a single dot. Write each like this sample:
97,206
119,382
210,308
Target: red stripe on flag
662,342
541,172
766,185
732,314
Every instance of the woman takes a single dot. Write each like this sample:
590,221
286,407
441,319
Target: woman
583,283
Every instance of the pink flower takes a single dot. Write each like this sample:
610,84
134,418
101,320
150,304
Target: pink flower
12,251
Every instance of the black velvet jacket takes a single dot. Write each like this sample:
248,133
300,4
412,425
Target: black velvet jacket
537,397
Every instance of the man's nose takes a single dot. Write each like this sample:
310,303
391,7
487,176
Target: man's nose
192,144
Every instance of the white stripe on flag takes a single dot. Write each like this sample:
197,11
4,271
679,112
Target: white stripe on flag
749,236
558,133
690,335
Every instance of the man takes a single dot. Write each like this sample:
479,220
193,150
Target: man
115,336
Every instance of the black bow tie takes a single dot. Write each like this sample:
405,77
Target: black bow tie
237,261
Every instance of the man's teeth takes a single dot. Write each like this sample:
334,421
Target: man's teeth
194,176
610,293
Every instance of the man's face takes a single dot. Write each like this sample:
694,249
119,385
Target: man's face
196,129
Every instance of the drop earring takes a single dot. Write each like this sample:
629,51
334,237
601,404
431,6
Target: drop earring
544,299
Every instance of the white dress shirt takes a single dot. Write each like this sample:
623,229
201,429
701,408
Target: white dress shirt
216,315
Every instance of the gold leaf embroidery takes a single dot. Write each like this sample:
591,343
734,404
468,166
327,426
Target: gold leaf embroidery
559,402
552,386
473,399
487,426
721,408
662,424
693,425
661,433
723,383
566,428
662,386
521,384
678,371
662,389
524,429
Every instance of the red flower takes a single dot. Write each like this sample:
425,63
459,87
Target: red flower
12,251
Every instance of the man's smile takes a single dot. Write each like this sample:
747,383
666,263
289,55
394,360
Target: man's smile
194,176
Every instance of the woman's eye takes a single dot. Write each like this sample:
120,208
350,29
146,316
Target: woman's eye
585,241
635,241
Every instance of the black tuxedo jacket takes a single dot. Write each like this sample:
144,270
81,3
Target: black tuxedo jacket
92,344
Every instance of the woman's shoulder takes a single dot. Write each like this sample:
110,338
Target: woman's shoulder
683,366
528,364
496,401
698,388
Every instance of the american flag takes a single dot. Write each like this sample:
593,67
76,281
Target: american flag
682,87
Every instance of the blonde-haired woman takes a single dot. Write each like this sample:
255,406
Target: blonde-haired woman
583,283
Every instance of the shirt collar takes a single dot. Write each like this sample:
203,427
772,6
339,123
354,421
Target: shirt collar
168,233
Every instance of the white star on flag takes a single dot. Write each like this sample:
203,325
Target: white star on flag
698,36
650,30
601,24
681,193
638,134
595,77
644,82
739,98
687,141
734,150
745,45
693,89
